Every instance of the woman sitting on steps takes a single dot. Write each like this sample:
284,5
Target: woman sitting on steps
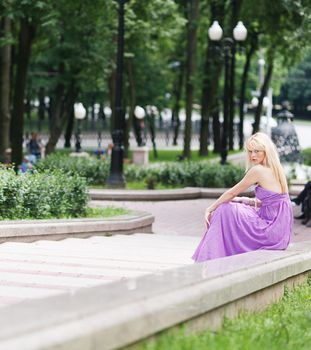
239,224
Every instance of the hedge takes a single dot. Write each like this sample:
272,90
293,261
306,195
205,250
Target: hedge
50,194
187,173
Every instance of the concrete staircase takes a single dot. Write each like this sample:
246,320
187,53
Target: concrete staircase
46,268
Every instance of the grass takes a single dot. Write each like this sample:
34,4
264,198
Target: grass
169,155
105,212
285,325
172,156
307,156
164,155
141,185
137,185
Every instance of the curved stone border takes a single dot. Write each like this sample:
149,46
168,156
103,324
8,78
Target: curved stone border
146,195
32,230
159,195
170,194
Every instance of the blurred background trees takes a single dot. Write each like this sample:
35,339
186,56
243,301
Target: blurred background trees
56,53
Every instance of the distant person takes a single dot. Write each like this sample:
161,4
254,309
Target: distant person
26,165
34,146
304,198
240,224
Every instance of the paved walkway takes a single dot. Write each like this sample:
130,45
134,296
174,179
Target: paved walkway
185,217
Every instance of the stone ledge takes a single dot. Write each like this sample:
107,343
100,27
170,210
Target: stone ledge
31,230
170,194
121,313
146,195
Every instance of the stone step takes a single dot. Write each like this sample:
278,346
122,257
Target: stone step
119,253
46,268
73,261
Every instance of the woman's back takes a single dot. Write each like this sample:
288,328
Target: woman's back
267,180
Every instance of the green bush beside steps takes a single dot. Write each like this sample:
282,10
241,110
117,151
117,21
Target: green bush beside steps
177,174
49,194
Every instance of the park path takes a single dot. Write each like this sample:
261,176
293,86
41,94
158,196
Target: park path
185,217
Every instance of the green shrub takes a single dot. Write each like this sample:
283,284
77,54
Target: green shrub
94,170
193,174
135,173
198,174
306,153
41,195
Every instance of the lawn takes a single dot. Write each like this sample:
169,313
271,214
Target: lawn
105,212
169,155
284,325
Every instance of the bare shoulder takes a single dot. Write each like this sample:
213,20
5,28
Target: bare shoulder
257,170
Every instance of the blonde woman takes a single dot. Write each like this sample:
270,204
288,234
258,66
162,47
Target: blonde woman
240,224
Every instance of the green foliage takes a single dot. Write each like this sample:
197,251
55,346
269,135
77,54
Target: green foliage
93,169
284,325
41,195
306,153
194,174
296,87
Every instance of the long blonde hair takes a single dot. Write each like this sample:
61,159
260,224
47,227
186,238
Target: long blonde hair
262,142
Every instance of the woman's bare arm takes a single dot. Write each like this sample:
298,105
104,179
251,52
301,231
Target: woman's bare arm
254,202
250,178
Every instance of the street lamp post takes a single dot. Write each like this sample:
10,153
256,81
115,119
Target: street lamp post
116,178
79,113
139,114
215,34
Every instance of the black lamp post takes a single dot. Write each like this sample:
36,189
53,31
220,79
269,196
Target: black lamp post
79,114
116,178
215,34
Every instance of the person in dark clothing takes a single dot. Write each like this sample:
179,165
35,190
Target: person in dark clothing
34,146
304,198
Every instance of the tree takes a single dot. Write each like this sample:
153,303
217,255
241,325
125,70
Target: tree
211,76
296,88
193,15
5,65
281,24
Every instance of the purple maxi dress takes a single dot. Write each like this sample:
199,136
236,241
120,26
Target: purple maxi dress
238,228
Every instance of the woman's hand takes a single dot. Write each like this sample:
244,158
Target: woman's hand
207,217
244,200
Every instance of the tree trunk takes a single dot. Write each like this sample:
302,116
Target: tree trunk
211,74
61,111
41,110
249,54
176,108
231,99
69,114
26,36
190,71
56,113
69,129
216,128
263,93
5,64
236,6
132,103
